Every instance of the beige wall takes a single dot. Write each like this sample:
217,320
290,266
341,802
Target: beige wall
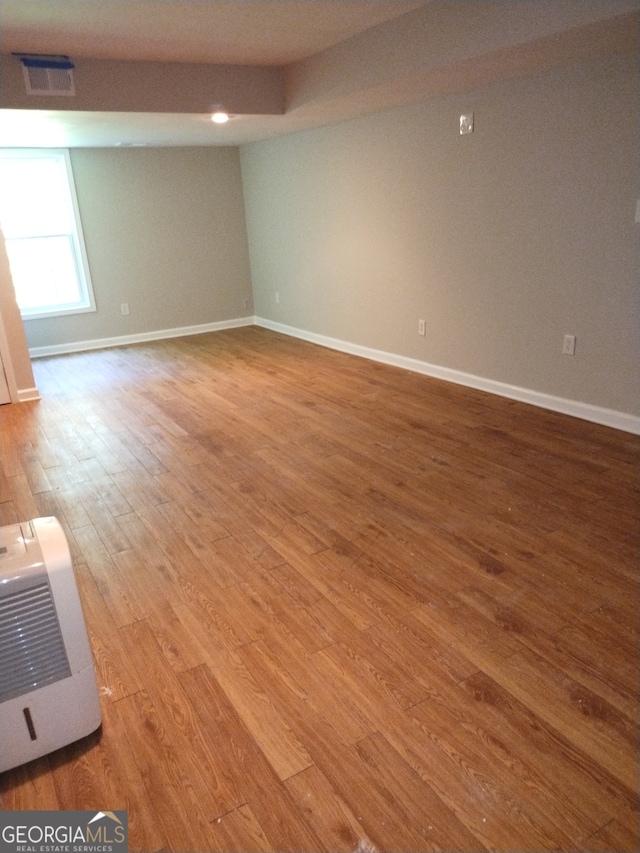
503,241
165,232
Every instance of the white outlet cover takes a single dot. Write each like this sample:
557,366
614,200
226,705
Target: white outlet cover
638,211
466,123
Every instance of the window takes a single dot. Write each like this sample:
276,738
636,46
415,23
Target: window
41,226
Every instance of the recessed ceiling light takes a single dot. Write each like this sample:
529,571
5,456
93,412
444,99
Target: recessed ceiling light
220,117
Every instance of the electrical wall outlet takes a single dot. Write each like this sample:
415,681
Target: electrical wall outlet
277,297
124,309
569,345
421,328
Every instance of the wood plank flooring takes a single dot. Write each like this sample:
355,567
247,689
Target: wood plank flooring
335,606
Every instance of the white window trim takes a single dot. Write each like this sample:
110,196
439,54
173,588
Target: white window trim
84,274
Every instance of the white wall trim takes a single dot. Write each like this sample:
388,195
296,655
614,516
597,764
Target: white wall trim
141,337
574,408
585,411
27,395
6,364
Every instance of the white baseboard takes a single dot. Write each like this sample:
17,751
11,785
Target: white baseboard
585,411
27,395
142,337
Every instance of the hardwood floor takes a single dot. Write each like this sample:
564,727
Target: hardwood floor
334,605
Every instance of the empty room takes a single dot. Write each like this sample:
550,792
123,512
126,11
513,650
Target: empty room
320,423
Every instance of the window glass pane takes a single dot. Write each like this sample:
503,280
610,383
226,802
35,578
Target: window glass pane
41,226
34,197
43,270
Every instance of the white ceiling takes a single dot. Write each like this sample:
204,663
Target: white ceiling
245,32
336,53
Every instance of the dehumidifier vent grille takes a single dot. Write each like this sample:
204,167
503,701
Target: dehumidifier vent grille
32,651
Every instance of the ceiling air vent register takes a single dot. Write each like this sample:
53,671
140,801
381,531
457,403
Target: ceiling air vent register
48,75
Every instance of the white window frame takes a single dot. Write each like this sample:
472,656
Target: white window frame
87,301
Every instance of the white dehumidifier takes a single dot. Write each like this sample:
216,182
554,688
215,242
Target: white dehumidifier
48,689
